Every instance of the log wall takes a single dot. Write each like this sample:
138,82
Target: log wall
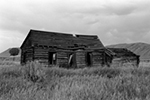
125,62
97,58
80,59
27,55
62,59
41,55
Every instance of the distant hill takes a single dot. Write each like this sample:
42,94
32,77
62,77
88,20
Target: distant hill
142,49
6,59
7,54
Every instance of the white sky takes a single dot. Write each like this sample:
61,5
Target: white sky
114,21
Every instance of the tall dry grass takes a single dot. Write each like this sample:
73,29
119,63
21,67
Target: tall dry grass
36,82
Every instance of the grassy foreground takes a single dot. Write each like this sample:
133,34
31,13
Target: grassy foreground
35,82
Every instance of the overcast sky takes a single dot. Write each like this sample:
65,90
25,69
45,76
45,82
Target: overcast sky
114,21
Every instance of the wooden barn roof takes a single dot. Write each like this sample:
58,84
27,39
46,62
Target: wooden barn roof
121,52
62,40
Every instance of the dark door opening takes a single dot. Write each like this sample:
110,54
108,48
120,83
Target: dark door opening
52,58
89,59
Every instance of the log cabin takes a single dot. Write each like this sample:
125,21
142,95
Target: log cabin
66,50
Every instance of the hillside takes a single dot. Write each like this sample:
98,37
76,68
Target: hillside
6,53
6,59
141,49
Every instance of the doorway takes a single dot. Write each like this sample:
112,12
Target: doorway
52,58
89,59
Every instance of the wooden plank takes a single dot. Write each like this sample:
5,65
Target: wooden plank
41,51
46,55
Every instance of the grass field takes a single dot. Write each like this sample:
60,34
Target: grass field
36,82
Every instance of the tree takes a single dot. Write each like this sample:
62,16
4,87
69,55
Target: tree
14,52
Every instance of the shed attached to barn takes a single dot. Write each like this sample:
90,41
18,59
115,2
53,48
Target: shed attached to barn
124,57
64,50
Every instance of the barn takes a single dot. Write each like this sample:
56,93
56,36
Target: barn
71,51
64,50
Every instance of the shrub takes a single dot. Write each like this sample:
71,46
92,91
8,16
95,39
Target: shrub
33,71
